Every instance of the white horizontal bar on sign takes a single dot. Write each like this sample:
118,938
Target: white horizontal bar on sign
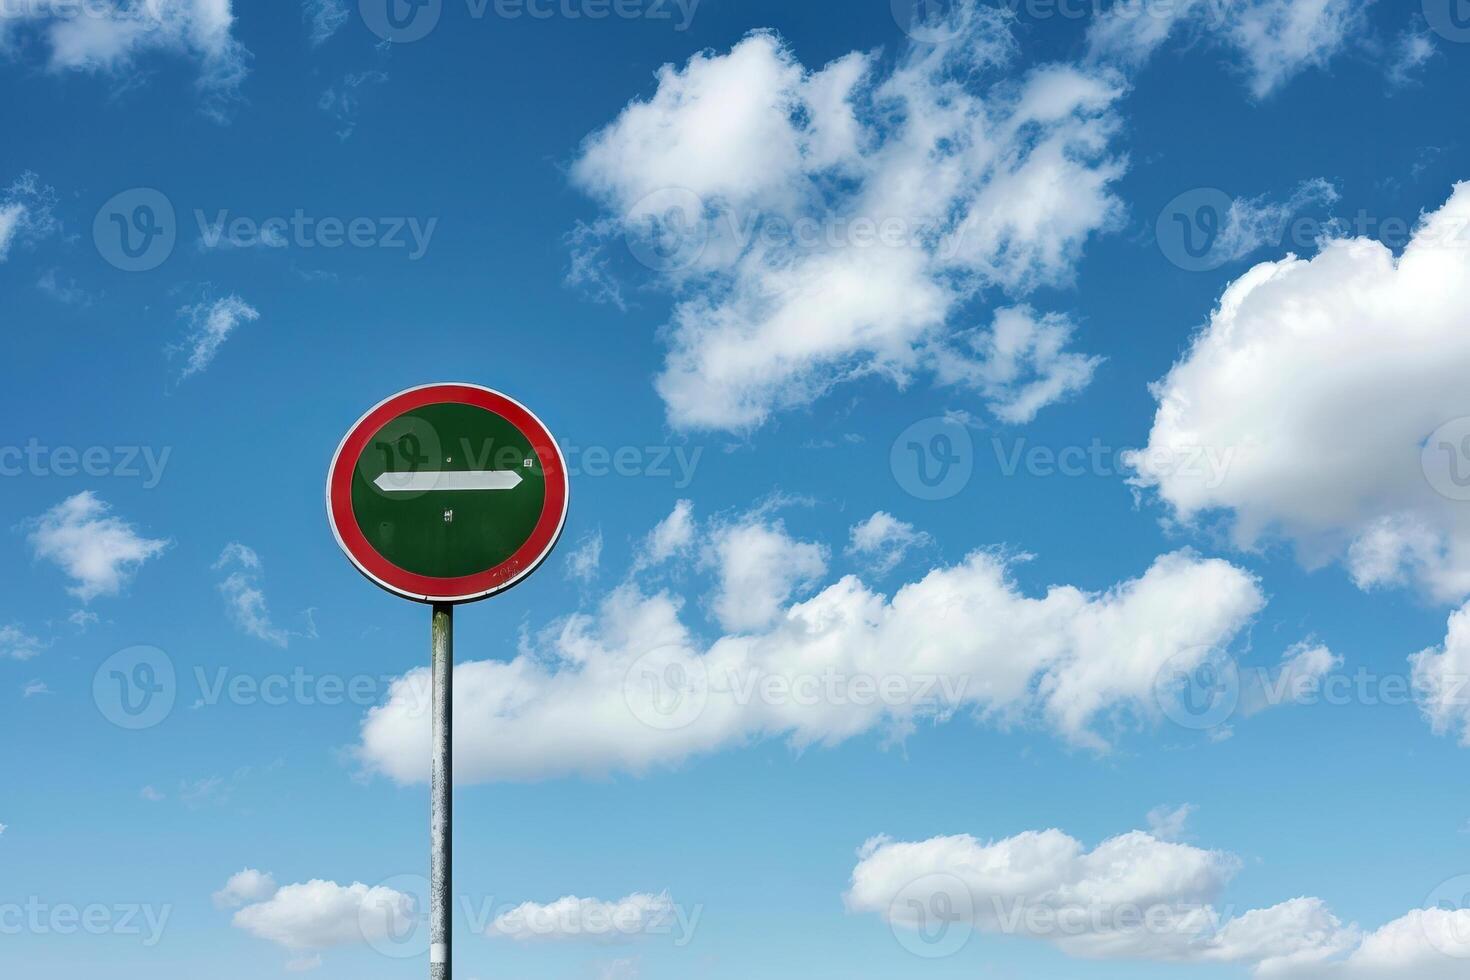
463,480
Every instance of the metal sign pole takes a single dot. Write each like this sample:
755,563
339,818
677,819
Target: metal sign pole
441,902
393,495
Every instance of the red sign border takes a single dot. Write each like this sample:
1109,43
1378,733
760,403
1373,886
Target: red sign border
465,588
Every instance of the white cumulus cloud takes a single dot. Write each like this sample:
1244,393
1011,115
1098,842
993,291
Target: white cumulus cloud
321,914
759,567
1138,897
670,537
819,225
587,919
1441,678
1336,384
244,887
629,687
99,551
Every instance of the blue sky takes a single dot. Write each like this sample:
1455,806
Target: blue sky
1087,376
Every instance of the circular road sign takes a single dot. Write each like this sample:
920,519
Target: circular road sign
447,493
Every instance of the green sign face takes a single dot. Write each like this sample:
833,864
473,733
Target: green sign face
448,493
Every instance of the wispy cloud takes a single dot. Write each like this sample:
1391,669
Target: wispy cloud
63,289
109,37
17,644
1272,41
883,541
210,325
99,551
1411,51
26,212
343,101
243,595
324,17
584,560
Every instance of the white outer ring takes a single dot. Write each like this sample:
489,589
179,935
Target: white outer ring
566,501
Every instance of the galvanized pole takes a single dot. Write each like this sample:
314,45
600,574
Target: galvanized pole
441,902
